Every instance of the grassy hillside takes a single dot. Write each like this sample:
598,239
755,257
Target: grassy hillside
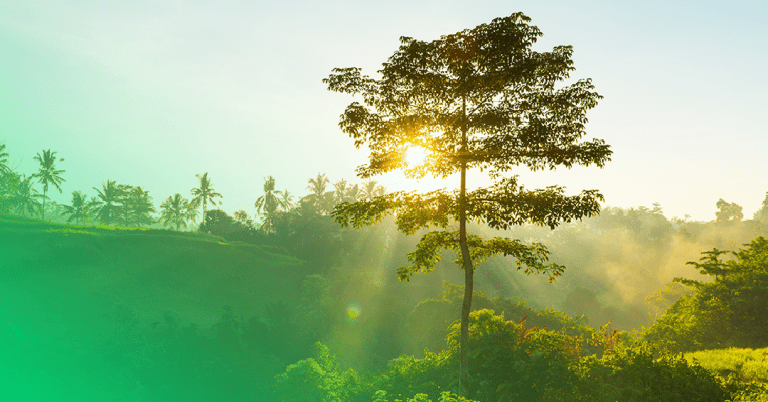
92,269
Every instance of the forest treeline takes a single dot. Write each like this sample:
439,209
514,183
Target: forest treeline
606,330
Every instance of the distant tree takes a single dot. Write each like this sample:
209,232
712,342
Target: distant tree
345,193
48,174
177,211
137,207
205,192
80,208
9,186
241,216
4,168
762,213
320,198
108,203
286,199
26,199
268,204
353,194
480,98
340,192
370,190
728,212
218,223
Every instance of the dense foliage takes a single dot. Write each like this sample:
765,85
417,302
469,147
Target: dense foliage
731,309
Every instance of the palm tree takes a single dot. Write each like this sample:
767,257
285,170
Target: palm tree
323,200
80,208
9,184
317,185
370,190
286,199
205,192
341,191
26,197
3,160
48,173
137,206
177,210
267,204
109,202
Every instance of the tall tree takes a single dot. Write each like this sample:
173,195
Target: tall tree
136,206
483,99
177,211
286,199
320,198
340,191
204,193
80,208
26,198
728,211
48,174
108,203
370,190
268,204
353,193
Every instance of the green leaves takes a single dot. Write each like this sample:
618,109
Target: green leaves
503,205
529,258
484,82
506,203
48,174
729,310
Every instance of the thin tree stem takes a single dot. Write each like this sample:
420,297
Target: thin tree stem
467,262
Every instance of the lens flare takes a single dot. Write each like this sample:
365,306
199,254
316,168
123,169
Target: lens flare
353,312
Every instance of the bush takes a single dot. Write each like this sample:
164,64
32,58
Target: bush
634,374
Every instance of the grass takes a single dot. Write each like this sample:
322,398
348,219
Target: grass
88,269
749,364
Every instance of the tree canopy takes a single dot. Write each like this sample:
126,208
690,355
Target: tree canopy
480,98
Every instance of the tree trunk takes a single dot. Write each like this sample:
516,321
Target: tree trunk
42,211
468,269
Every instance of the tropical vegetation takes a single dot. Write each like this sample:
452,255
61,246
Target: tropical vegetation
48,174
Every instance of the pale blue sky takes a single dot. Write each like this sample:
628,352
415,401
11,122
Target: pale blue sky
153,93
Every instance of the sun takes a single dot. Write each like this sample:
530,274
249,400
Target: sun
415,156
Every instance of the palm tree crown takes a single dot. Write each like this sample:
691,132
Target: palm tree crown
286,199
322,200
204,192
176,211
80,208
48,174
108,203
267,204
370,190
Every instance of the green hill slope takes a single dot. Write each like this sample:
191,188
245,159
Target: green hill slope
88,270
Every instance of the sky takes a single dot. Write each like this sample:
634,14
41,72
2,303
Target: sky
152,93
